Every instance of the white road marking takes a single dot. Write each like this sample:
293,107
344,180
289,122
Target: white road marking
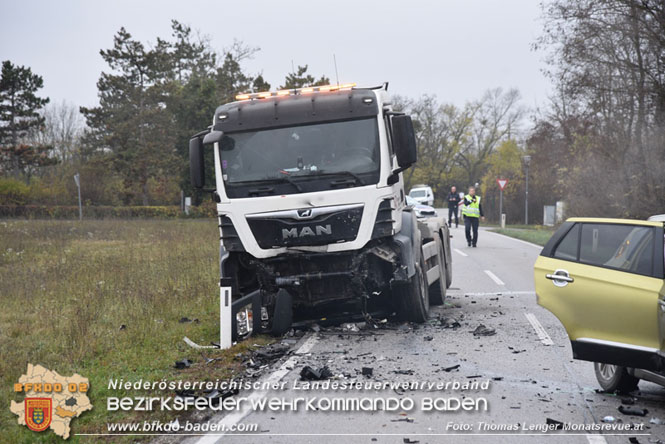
461,252
501,293
540,247
234,418
494,277
540,331
596,439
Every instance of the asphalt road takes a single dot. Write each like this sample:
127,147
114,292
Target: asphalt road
531,372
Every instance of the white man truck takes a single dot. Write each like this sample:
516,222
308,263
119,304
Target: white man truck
312,212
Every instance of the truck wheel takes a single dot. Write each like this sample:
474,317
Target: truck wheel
613,378
413,297
437,291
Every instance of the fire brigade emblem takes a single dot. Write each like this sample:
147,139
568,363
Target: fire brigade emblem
38,413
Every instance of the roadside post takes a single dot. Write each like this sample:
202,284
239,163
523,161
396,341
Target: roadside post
502,217
527,162
77,179
225,314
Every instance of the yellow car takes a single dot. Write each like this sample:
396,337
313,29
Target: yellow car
604,280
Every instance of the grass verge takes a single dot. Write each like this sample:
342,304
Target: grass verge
538,236
103,298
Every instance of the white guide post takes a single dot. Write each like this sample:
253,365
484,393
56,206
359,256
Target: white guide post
225,315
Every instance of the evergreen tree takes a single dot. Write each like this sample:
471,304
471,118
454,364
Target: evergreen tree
19,116
132,121
301,79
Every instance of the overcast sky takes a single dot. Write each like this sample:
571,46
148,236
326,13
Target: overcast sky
454,49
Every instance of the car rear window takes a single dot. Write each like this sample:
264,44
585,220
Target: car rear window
622,247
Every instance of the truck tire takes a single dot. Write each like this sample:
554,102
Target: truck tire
614,378
437,290
413,297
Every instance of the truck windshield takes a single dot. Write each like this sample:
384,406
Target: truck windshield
345,151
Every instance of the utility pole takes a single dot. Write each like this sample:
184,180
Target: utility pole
527,161
77,179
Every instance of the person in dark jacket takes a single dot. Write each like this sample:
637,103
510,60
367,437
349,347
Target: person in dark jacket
453,204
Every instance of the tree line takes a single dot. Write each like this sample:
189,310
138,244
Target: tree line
598,144
132,148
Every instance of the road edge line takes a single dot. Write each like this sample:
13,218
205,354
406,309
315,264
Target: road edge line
237,416
531,244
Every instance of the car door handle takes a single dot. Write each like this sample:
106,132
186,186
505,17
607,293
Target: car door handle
558,277
662,305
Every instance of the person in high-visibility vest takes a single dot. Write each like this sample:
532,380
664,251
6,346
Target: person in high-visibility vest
472,211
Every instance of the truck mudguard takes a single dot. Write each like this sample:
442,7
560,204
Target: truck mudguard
408,241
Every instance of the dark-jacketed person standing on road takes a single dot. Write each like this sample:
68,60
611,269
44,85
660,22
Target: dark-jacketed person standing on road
453,204
472,212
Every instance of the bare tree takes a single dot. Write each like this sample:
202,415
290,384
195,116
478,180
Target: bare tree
62,129
495,118
607,59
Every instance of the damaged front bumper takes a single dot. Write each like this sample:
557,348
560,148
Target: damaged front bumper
267,292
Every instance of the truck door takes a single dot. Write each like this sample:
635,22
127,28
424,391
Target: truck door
604,282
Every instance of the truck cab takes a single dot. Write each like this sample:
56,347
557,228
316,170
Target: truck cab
311,204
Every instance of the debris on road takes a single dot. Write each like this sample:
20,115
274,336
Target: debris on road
182,364
481,330
367,371
610,419
270,353
428,338
350,326
449,323
410,441
309,374
557,424
406,419
633,411
656,421
451,368
195,345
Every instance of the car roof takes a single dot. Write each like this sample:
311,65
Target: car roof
604,220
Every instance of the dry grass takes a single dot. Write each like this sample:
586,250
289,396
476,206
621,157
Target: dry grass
67,287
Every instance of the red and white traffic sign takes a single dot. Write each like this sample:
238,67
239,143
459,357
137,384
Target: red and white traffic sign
502,183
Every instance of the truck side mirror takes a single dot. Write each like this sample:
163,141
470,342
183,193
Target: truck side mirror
196,165
404,141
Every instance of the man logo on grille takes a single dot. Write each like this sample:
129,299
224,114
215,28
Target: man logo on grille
305,213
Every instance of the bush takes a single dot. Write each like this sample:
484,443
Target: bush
103,212
13,192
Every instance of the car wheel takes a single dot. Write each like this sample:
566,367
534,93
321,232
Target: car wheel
613,378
